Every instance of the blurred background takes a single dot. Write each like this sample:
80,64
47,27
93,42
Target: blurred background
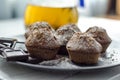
10,9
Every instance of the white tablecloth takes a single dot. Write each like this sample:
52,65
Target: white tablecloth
16,72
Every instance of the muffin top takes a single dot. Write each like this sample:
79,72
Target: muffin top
99,34
43,38
64,33
39,25
83,42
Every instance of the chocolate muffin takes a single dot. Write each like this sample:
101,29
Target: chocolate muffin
101,36
39,25
63,34
83,49
42,44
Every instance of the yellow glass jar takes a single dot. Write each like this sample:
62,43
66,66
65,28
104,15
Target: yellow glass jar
55,12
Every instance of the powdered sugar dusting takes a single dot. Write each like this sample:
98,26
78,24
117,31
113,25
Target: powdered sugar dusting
65,32
99,34
84,42
42,35
61,63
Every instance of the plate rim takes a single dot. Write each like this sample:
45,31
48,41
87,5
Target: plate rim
38,66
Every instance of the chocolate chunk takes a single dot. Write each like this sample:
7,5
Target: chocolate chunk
2,46
7,41
15,55
20,45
